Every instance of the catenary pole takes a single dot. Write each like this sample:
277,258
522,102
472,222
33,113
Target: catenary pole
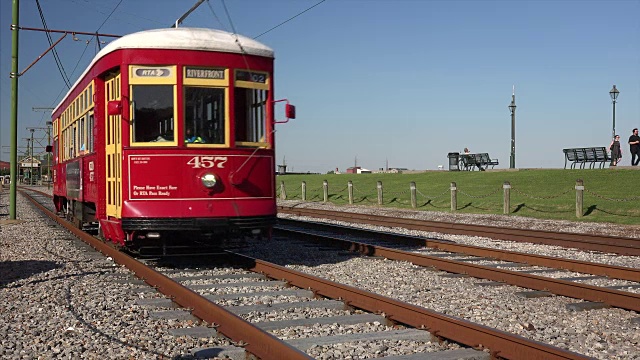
15,22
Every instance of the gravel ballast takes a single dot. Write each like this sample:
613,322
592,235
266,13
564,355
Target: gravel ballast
59,301
604,333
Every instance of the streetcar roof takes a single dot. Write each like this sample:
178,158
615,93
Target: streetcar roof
188,39
181,38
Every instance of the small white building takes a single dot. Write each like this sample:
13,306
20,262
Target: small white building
29,165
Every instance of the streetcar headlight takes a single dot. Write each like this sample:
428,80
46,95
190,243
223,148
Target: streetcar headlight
209,180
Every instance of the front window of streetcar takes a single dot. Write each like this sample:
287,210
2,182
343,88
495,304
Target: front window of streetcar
204,118
153,107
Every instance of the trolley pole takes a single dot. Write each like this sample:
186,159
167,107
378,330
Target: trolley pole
15,22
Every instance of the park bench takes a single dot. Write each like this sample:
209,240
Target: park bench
586,155
480,160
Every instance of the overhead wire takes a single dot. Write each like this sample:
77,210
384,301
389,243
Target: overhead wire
235,34
85,49
243,53
216,16
291,18
109,16
56,57
138,17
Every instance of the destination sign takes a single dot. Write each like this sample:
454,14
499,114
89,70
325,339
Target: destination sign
199,73
243,75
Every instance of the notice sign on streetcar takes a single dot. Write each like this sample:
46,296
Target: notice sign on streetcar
162,185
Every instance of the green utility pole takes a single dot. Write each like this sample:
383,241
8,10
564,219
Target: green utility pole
15,22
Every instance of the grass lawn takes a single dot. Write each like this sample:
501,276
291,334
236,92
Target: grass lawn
610,195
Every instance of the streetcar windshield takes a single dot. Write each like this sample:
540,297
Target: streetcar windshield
204,115
153,113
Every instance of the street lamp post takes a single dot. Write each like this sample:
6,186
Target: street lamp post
614,95
512,108
31,169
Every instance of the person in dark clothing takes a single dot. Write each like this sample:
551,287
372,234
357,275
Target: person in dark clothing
634,147
616,151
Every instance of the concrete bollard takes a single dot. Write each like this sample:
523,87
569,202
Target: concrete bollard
380,199
304,191
414,200
454,197
283,191
506,197
579,198
325,190
350,190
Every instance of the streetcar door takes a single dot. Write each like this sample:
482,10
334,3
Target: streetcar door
113,151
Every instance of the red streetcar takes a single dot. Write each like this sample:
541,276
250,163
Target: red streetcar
169,132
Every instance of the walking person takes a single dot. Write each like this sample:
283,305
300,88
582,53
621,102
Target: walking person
616,151
634,147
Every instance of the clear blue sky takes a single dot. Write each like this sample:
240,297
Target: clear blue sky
404,81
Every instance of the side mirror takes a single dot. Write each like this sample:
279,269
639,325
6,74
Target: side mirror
290,111
114,107
49,148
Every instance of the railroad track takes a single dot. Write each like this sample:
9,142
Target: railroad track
490,264
185,290
603,243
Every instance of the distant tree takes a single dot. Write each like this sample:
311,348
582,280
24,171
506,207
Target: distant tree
331,172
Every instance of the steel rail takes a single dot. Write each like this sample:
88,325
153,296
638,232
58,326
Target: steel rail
603,243
616,272
621,299
501,344
253,339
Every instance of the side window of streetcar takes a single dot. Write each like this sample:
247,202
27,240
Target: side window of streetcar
90,134
251,114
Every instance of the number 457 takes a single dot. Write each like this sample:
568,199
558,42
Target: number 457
206,162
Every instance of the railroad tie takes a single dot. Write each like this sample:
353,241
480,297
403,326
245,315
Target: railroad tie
326,304
490,283
227,352
532,294
405,334
180,314
218,277
576,278
587,305
458,354
507,265
199,332
239,284
341,320
301,293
